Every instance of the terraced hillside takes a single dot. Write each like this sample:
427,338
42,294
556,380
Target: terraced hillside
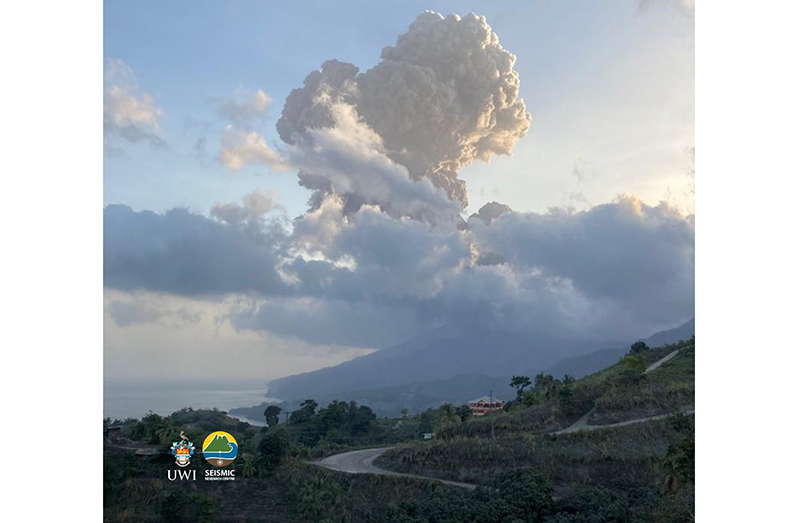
528,434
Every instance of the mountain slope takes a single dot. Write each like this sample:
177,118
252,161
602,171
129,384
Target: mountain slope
579,366
436,356
443,366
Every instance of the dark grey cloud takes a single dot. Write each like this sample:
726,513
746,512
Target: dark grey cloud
186,254
148,309
616,270
639,257
329,321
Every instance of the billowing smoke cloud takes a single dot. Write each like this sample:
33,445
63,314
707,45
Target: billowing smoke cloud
349,159
490,211
445,95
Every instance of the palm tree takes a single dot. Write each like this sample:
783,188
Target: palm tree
164,431
249,467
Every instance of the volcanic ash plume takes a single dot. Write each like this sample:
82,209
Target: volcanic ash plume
445,95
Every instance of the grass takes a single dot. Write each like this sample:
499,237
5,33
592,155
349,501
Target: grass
667,389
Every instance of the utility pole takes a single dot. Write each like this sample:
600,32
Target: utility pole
492,420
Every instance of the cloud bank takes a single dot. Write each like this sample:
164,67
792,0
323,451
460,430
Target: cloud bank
618,269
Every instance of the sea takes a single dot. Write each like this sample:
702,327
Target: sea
134,399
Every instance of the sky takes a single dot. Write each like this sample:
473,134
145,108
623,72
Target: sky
577,115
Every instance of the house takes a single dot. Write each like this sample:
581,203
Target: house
112,433
147,454
484,405
427,435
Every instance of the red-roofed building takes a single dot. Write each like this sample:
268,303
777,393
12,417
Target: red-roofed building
484,405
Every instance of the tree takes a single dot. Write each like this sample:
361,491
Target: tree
545,388
633,370
362,419
679,462
307,409
446,416
520,383
527,493
163,434
464,411
635,364
272,415
273,447
638,347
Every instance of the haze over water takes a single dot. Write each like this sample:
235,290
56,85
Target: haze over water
128,399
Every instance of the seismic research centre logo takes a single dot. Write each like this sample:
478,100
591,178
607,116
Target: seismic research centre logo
220,449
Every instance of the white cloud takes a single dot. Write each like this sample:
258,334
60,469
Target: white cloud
128,113
241,148
246,108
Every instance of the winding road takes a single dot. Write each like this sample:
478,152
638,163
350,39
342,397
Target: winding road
362,461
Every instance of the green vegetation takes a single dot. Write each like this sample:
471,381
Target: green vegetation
642,472
606,466
621,457
272,415
517,496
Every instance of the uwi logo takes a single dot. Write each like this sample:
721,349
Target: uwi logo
182,450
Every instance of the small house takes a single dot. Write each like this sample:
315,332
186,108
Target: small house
484,405
147,454
112,433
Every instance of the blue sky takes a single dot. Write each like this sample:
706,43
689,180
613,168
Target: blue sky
609,86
